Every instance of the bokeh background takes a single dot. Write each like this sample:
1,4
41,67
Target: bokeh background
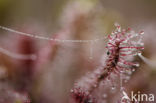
49,78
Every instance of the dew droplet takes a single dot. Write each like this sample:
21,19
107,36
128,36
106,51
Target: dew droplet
104,95
137,65
125,81
113,88
127,77
141,32
133,70
129,72
71,90
121,71
122,88
95,85
108,79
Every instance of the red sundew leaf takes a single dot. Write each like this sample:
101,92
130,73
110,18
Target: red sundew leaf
80,96
132,47
114,63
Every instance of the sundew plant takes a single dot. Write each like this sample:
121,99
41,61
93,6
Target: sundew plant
80,51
